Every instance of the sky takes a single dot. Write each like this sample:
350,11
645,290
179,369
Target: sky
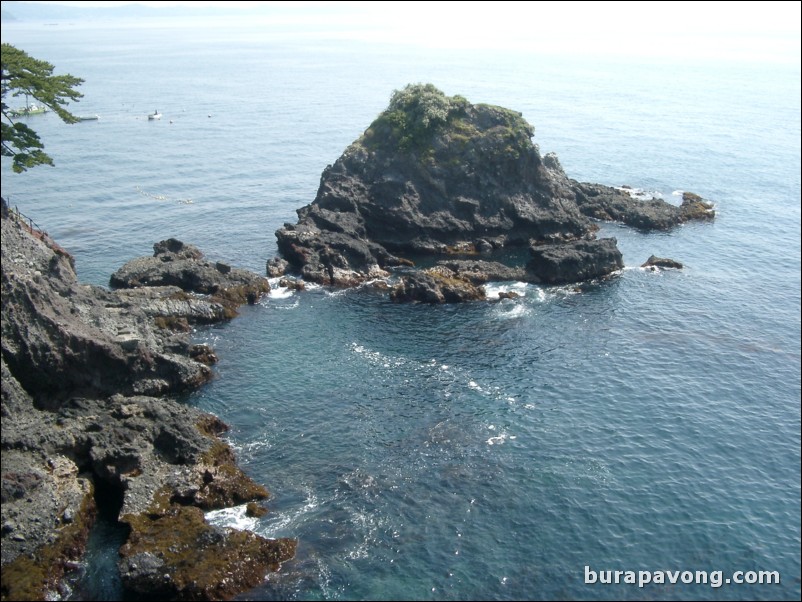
740,31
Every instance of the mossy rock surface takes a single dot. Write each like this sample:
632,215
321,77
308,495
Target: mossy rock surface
37,576
177,555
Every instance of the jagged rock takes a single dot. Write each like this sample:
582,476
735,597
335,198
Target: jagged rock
469,181
435,175
173,249
661,262
175,263
170,306
480,271
574,262
694,207
176,555
293,284
277,267
203,354
436,285
68,352
45,529
112,343
614,204
255,510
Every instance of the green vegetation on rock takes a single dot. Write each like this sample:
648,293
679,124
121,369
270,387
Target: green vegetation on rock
37,576
414,113
422,119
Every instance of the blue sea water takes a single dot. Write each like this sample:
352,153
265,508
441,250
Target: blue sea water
481,451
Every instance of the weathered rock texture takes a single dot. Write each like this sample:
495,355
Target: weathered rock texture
661,262
617,204
437,176
80,368
579,260
181,265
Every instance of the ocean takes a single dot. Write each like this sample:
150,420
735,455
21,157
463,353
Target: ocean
498,451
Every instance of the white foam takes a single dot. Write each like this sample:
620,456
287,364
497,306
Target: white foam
641,194
251,449
445,376
492,289
337,292
280,292
282,522
513,310
235,518
499,439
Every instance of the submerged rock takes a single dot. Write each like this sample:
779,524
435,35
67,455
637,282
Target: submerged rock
437,176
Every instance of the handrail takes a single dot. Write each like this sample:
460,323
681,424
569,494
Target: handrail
15,213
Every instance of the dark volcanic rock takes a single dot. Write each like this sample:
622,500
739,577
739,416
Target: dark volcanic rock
60,337
480,271
662,262
78,365
436,285
432,175
694,207
436,176
175,263
177,555
574,262
615,204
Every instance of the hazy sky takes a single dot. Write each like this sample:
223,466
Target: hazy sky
735,30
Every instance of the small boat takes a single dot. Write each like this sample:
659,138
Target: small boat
30,109
88,117
154,115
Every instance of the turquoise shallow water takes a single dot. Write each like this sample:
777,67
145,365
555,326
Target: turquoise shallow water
484,451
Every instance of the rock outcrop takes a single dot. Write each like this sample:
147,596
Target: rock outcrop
661,262
81,369
436,285
436,176
571,262
617,204
181,265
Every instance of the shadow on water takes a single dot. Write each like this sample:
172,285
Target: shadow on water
99,578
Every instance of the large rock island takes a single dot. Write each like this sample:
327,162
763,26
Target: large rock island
87,424
436,178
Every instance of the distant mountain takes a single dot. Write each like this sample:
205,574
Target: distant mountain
34,11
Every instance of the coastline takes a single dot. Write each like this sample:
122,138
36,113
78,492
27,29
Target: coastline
88,420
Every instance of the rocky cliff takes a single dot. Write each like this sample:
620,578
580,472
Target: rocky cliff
85,422
436,176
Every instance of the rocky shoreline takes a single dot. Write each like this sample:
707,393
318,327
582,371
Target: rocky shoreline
87,420
88,373
438,179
